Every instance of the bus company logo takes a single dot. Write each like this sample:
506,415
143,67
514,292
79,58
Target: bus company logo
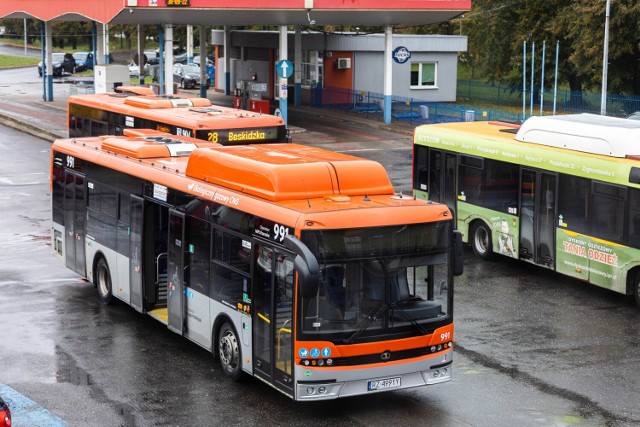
401,54
201,190
385,356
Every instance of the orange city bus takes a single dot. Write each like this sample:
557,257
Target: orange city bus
293,264
138,107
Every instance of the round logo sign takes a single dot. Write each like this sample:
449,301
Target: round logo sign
401,54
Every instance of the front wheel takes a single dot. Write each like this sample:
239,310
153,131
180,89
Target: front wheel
229,352
635,288
481,241
103,282
183,84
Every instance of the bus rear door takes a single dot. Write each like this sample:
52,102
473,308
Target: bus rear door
75,198
136,217
537,217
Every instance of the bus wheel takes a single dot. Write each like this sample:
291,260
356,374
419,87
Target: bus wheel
635,288
229,351
103,281
481,241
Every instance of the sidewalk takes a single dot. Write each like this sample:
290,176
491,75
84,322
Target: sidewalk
48,120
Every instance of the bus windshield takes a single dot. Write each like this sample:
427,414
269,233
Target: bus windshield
377,283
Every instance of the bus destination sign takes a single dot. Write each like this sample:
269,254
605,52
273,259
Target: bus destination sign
239,136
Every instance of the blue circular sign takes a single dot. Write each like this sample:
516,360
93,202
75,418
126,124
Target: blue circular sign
401,54
315,353
303,352
284,68
326,352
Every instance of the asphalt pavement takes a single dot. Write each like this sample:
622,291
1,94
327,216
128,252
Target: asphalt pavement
48,119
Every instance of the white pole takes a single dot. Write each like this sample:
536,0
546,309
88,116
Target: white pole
524,80
25,36
168,59
605,59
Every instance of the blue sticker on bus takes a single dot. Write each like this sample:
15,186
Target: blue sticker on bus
303,352
326,352
315,353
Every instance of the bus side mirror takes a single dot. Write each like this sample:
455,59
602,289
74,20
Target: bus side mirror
458,260
306,265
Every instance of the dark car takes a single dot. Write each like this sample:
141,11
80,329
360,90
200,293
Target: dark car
5,414
84,60
188,76
62,63
211,69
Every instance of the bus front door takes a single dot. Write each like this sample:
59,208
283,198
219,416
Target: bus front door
175,272
75,191
538,217
442,170
273,316
135,257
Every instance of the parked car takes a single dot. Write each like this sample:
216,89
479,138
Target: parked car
134,69
5,414
188,76
634,116
211,69
62,63
152,57
84,60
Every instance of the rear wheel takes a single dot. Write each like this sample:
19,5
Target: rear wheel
103,282
183,84
481,241
229,352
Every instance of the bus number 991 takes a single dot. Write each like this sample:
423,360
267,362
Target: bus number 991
280,231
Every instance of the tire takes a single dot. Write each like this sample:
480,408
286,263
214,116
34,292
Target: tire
103,282
183,84
229,352
634,287
481,241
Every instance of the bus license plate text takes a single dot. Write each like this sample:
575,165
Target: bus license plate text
384,383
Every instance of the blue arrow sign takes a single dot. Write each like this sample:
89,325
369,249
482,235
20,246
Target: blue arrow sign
284,68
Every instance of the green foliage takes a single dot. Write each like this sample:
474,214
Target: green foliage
496,30
7,61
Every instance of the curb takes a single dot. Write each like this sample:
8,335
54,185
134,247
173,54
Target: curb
28,128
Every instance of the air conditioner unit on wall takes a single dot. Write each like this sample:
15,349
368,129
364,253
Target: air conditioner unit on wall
343,63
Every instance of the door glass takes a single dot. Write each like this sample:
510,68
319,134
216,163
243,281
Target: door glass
135,244
262,310
175,272
546,221
283,342
450,182
527,213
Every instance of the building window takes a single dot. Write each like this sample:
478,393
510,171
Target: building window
423,75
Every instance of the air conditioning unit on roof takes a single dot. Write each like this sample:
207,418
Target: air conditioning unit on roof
344,63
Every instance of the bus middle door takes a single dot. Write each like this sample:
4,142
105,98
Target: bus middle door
175,272
272,314
537,217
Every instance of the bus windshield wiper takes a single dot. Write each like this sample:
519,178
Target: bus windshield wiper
394,307
367,322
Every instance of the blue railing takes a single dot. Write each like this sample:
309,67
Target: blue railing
411,110
469,95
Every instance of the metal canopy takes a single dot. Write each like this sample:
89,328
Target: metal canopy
251,12
283,17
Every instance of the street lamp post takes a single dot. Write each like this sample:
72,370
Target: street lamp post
605,59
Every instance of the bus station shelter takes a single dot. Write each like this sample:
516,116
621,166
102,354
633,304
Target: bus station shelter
312,14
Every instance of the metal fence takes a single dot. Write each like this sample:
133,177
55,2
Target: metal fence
566,101
411,110
473,99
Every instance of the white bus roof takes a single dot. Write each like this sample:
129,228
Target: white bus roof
591,133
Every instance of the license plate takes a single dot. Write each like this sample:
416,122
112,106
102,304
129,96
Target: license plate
383,383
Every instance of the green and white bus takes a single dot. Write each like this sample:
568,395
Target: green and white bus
562,192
